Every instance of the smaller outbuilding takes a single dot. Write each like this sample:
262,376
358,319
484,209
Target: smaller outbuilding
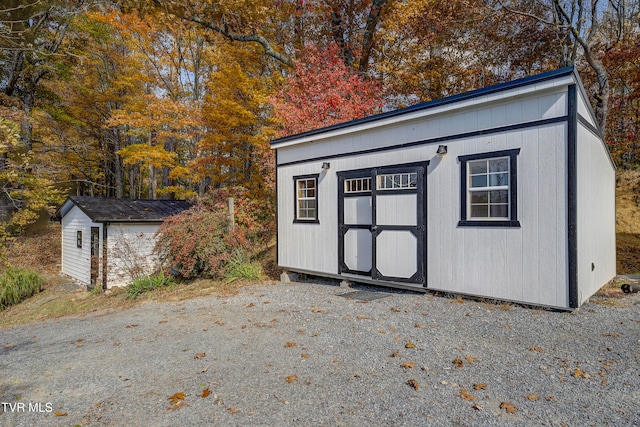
107,242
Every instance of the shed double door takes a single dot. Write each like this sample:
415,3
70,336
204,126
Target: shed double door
381,226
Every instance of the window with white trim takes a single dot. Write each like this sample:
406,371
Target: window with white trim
397,181
306,198
489,189
357,185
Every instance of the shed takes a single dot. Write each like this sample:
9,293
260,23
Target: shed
106,242
506,192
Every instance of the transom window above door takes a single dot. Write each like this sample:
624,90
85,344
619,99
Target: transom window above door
397,181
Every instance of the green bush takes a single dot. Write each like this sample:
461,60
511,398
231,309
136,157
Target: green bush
200,242
241,268
17,284
148,283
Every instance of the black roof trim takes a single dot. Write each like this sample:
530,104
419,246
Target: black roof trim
529,80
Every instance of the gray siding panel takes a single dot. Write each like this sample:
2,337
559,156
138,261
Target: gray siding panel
76,262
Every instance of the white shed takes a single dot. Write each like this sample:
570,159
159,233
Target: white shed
506,192
107,241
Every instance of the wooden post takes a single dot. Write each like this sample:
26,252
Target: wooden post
231,214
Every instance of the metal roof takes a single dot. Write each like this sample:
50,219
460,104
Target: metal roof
104,209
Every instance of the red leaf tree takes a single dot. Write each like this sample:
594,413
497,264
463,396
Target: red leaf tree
323,91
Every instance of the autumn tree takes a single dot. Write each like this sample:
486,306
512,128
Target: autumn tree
323,91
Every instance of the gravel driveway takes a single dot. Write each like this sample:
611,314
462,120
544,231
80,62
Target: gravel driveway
299,354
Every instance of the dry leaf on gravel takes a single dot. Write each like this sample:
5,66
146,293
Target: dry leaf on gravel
480,386
459,363
199,355
611,335
304,355
176,406
233,410
470,359
413,383
408,365
508,407
60,414
477,407
290,344
394,354
250,305
177,397
535,348
464,394
291,378
577,373
206,392
533,396
409,345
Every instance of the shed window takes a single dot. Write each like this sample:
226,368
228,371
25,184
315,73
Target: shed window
79,238
306,197
357,185
397,181
489,189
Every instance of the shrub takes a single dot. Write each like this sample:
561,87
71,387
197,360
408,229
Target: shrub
241,268
200,243
148,283
17,284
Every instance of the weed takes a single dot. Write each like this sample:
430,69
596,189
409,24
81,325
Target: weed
241,268
148,283
97,290
17,284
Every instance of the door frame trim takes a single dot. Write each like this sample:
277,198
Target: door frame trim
421,227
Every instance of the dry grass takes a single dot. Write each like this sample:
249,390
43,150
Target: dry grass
40,251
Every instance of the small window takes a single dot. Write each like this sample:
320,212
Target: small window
306,197
397,181
79,238
357,185
488,189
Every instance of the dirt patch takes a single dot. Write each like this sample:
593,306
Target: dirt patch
628,222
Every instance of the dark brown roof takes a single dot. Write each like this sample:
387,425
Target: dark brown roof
103,209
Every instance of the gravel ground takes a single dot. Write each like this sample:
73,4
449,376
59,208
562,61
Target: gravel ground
298,354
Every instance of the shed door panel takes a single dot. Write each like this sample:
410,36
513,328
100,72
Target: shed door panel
382,218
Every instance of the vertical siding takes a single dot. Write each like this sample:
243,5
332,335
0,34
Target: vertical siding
130,252
76,262
596,215
527,264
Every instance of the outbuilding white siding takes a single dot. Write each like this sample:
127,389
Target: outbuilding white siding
130,252
76,262
541,258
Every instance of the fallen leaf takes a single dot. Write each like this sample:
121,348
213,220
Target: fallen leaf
233,410
131,326
177,397
535,348
549,398
291,378
206,392
394,354
199,355
611,335
417,325
220,322
250,305
60,414
413,383
508,407
409,345
176,406
533,396
577,373
470,359
304,355
395,310
408,365
290,344
266,302
464,394
459,363
480,386
477,407
316,310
